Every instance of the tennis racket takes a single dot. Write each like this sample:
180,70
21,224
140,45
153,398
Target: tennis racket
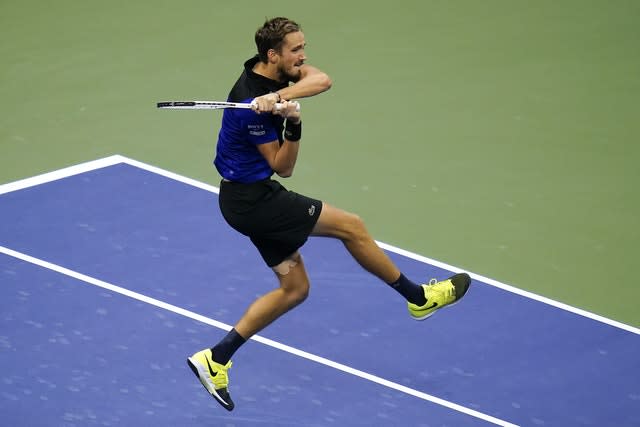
211,105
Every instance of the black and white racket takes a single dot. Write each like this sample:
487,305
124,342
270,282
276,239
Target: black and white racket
211,105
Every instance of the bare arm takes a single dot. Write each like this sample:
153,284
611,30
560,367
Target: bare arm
312,82
282,158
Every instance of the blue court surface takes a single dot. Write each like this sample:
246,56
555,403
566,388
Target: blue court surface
113,272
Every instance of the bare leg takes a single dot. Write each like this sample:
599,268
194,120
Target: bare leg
294,288
350,229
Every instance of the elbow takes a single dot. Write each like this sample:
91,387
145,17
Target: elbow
285,173
326,82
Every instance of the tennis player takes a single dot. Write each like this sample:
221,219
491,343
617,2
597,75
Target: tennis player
252,146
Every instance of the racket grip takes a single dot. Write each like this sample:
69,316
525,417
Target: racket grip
278,107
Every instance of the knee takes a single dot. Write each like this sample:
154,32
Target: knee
298,293
355,226
301,293
293,280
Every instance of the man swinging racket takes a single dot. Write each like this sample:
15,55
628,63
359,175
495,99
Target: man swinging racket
253,144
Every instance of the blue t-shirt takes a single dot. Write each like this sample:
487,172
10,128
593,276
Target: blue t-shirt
237,156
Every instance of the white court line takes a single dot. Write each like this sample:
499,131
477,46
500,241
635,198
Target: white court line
414,256
115,159
62,173
258,338
514,290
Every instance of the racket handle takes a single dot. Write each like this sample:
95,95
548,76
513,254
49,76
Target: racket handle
278,107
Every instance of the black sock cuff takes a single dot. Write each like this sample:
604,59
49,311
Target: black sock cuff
399,280
223,351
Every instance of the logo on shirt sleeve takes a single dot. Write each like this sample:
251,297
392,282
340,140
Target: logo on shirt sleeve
256,130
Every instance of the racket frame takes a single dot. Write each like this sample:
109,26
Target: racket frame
211,105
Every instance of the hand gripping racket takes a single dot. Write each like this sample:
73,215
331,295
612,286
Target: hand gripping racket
211,105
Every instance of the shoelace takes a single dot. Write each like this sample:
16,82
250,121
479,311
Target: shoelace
443,288
221,379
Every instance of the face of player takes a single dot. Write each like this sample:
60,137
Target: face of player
291,56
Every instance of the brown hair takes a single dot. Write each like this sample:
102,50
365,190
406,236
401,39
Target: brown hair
272,34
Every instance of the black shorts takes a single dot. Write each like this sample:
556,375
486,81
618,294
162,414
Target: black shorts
277,220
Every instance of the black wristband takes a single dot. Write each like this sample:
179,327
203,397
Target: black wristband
293,131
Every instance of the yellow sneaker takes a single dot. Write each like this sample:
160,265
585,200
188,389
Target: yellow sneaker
213,376
440,294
